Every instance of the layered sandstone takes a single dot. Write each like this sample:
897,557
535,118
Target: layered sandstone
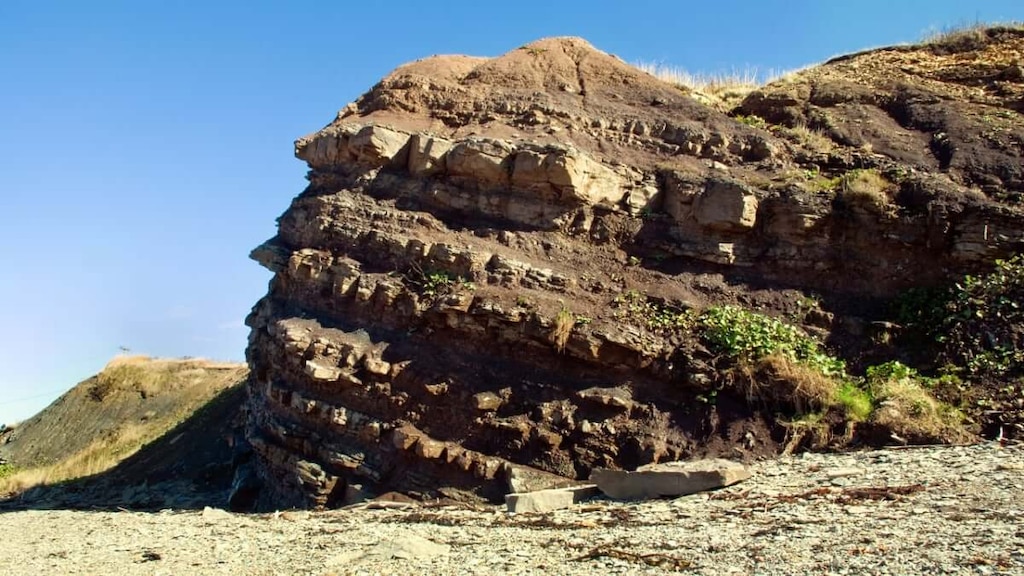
446,314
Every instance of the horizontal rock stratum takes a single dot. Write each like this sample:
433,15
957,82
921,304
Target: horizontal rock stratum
470,292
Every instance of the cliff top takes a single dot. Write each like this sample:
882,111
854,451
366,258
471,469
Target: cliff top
952,105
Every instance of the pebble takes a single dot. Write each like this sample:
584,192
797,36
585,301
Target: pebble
920,510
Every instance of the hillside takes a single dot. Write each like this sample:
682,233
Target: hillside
97,428
507,272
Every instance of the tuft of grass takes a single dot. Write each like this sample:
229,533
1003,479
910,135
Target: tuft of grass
753,121
855,401
813,428
722,90
565,320
965,36
813,140
783,384
908,409
437,283
786,385
867,189
704,82
911,412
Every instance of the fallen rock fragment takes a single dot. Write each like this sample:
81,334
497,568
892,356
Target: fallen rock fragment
215,514
669,479
846,472
543,501
520,479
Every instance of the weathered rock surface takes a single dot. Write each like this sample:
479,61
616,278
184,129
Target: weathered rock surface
669,480
543,501
444,302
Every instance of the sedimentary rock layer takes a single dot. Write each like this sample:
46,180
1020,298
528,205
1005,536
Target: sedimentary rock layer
447,314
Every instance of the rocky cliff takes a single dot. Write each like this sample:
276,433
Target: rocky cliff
496,276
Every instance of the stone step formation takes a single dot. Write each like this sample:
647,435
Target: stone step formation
465,296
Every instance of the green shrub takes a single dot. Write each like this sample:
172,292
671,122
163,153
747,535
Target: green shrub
740,333
977,323
439,283
7,470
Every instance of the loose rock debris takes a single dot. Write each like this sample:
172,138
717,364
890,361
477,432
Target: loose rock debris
938,510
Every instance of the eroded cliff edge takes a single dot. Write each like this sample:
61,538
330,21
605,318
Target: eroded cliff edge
490,281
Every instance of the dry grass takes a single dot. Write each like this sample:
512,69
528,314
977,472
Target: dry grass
722,90
965,36
127,376
813,140
822,404
913,414
783,384
564,322
194,380
709,83
99,456
810,429
148,376
867,189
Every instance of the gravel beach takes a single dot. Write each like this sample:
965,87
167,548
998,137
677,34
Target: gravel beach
927,510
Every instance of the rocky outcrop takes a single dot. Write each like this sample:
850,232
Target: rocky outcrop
445,316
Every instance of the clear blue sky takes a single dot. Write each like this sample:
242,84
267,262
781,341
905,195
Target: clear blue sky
146,146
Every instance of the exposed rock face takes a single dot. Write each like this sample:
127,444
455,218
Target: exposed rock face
441,314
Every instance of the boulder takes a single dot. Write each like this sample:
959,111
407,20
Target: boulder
520,479
670,479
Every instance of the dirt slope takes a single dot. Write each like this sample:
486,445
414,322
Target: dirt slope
132,402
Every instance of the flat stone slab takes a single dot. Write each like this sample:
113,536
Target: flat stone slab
670,479
542,501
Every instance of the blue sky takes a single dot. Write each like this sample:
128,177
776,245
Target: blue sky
146,146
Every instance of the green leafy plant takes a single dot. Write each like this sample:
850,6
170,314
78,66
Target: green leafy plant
524,302
7,470
977,323
637,308
753,121
436,283
736,332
